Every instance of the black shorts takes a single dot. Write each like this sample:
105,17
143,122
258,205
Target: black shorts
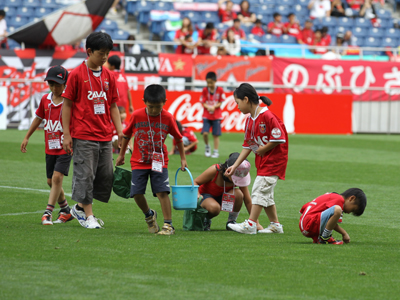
218,199
159,181
59,163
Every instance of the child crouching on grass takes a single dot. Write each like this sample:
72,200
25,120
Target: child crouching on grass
150,126
57,160
323,215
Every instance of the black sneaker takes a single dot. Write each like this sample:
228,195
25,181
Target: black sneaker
207,224
229,222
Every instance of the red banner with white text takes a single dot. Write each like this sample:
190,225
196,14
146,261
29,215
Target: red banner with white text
330,77
300,113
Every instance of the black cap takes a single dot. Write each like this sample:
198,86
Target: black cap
58,74
340,35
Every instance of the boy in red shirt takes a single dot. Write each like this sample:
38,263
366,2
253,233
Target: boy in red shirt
276,27
212,98
323,215
149,126
292,27
207,38
307,34
228,14
90,104
57,160
257,29
189,140
114,65
239,32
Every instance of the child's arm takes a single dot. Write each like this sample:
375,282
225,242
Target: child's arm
240,159
116,118
66,119
183,156
35,124
264,149
190,146
205,177
130,102
121,157
345,236
171,152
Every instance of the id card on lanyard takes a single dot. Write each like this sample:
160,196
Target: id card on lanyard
250,141
158,162
99,106
228,200
54,140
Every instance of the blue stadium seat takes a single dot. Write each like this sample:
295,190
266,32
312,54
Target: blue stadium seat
359,41
390,42
108,25
17,22
383,14
360,31
10,11
344,21
271,2
120,35
361,22
376,32
264,10
42,11
210,17
31,3
286,3
144,6
247,27
131,7
165,6
194,16
222,28
372,42
13,3
392,33
13,44
50,4
288,39
303,3
386,23
341,29
300,10
25,12
329,21
284,10
270,39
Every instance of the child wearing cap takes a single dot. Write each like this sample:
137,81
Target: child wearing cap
225,193
57,160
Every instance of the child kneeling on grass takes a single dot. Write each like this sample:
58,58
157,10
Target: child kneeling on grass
57,160
323,215
150,126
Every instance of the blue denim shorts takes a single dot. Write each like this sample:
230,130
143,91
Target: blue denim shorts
325,216
159,181
215,124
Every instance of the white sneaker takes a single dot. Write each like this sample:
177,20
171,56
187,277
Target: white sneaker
207,153
79,215
272,228
244,227
92,222
215,154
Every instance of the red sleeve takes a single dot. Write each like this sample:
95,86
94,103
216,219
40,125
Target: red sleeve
242,34
221,12
177,34
234,15
203,96
271,25
40,110
71,90
128,131
223,97
190,135
277,133
114,90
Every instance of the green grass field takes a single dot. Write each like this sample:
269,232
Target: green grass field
124,261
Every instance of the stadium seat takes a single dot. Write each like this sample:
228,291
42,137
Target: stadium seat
341,29
120,35
383,14
286,3
17,22
392,33
144,6
270,39
271,2
347,22
211,17
165,6
376,32
359,41
13,3
194,16
42,11
131,7
25,12
361,22
390,42
108,25
31,3
288,39
283,10
329,21
386,23
360,31
372,42
50,4
10,11
303,3
300,11
13,44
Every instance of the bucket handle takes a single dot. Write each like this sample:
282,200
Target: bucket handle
190,174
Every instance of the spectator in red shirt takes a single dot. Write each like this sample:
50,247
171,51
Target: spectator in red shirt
226,14
292,27
276,27
245,15
257,29
180,34
207,38
239,32
307,34
325,37
355,4
318,41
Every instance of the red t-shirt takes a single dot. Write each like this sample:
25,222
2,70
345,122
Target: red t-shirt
52,115
238,32
211,37
147,140
187,134
212,99
226,16
306,35
268,128
322,49
356,4
212,188
292,29
277,28
310,220
257,31
123,88
180,36
326,40
87,93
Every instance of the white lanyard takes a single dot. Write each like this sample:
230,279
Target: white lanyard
254,121
90,82
59,117
233,189
151,134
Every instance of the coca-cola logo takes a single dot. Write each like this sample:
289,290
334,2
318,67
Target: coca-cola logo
189,112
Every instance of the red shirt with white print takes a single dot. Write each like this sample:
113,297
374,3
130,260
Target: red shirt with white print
91,98
310,220
188,137
149,138
52,115
306,35
212,99
226,16
292,29
123,88
212,36
258,31
277,28
264,128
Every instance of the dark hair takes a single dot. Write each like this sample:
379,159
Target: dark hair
258,21
229,162
361,199
121,109
179,125
227,36
2,12
115,61
236,20
324,29
98,41
291,14
190,27
211,75
247,90
209,25
154,93
276,15
131,37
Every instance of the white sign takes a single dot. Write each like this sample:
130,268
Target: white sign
3,107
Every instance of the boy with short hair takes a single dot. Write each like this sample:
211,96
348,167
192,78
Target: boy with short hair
323,215
90,104
150,126
57,160
212,98
114,65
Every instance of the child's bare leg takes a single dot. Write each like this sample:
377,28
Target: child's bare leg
205,138
88,208
255,212
332,222
212,206
248,207
216,142
141,202
165,205
56,187
271,213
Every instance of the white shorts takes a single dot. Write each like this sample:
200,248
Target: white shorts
263,190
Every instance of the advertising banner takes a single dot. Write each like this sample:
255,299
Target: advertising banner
330,77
